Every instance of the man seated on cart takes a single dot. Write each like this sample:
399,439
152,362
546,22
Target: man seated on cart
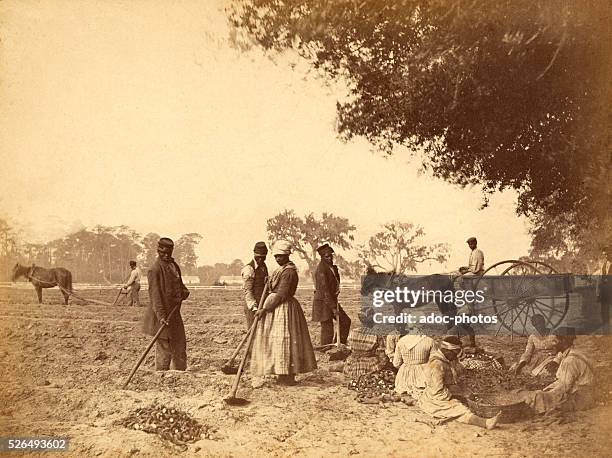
475,265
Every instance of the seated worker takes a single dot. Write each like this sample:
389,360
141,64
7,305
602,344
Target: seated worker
572,389
411,356
476,261
368,349
541,349
437,399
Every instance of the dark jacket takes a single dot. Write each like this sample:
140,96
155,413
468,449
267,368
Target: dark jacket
166,290
327,288
259,282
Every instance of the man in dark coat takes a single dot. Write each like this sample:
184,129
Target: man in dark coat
325,307
254,276
166,291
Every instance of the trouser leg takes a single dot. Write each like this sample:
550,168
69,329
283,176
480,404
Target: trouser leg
178,345
345,326
134,299
163,354
327,332
249,316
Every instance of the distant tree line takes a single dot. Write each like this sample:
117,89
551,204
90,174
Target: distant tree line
97,255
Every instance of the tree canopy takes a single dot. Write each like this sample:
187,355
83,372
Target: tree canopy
506,94
308,233
397,248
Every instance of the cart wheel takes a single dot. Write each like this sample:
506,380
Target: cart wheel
544,268
514,297
552,308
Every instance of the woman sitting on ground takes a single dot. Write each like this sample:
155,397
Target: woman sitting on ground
437,399
368,349
573,387
411,356
540,350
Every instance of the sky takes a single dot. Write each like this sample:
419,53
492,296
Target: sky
141,113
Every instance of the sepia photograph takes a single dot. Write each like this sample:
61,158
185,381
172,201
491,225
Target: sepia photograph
307,228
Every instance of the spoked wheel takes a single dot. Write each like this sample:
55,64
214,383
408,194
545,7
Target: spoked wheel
513,293
544,268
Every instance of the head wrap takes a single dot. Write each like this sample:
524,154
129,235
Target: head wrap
281,247
451,343
165,245
260,249
325,249
472,239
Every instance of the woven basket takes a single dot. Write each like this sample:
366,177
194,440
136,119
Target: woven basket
511,413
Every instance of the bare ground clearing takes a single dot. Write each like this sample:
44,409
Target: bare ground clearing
62,368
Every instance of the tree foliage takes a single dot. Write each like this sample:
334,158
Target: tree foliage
396,249
210,275
505,94
184,252
306,234
8,247
100,254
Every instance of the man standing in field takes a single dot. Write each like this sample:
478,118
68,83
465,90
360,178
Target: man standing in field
325,307
254,276
133,285
166,292
476,262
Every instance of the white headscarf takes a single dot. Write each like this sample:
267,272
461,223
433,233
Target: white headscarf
281,247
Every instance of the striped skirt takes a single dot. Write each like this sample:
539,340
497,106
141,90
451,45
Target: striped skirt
282,345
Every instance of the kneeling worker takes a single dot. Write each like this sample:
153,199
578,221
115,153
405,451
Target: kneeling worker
573,388
437,399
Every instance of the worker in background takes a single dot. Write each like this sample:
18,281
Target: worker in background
254,276
325,307
132,286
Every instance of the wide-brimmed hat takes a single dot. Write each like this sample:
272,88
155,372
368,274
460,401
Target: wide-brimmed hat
324,249
472,239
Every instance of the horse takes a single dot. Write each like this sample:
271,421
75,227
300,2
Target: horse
45,278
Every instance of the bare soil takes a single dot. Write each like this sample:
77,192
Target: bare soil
62,368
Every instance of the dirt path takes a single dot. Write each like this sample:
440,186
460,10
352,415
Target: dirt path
62,368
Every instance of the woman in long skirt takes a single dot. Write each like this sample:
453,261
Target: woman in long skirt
282,344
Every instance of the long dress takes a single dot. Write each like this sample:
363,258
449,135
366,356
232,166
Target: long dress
411,357
572,389
437,400
539,349
282,345
367,354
